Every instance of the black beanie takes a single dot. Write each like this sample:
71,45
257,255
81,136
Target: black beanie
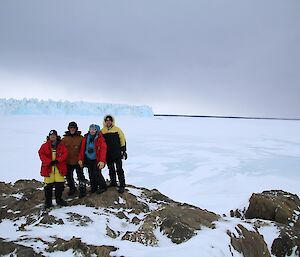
72,124
52,132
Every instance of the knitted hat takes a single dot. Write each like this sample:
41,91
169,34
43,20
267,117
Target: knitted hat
94,126
53,132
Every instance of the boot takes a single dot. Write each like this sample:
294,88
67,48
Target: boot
121,190
82,189
72,191
101,190
111,183
113,177
59,188
61,202
48,195
121,177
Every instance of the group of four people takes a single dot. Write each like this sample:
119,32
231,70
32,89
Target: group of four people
60,157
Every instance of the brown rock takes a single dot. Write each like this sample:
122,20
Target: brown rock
80,248
144,235
178,222
20,199
50,220
136,221
275,205
14,249
111,233
287,242
110,199
249,243
81,220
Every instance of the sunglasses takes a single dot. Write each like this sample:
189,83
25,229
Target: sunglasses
108,120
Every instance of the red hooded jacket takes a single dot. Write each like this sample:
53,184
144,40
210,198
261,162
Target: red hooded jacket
45,154
100,148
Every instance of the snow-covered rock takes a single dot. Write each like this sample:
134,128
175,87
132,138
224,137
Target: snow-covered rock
106,224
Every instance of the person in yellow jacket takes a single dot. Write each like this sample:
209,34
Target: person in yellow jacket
116,151
53,155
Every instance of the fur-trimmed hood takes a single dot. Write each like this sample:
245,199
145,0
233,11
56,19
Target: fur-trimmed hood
113,120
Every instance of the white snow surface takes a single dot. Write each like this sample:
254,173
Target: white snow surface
215,164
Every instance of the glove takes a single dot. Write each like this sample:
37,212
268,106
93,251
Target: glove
101,165
124,155
53,163
80,163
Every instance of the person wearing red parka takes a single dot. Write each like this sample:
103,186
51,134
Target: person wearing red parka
53,155
93,156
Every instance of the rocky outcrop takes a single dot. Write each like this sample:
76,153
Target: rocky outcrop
143,216
284,209
287,243
79,248
179,222
275,205
21,199
147,210
249,243
13,249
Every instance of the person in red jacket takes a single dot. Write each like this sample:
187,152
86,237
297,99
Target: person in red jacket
93,156
53,155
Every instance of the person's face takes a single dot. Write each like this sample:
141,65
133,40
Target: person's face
108,122
72,130
53,138
93,131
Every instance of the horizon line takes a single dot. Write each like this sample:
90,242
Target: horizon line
223,117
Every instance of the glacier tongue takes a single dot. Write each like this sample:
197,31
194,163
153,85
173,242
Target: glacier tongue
50,107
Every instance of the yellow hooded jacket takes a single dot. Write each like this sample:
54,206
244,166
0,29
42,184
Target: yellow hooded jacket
115,141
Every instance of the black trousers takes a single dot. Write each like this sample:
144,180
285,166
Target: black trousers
95,175
114,167
59,188
70,177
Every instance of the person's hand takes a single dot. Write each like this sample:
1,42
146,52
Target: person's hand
101,165
124,155
80,163
53,163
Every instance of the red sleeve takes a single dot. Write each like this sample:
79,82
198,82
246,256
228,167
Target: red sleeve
46,160
101,149
82,148
64,153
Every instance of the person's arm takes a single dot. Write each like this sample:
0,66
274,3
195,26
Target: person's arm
46,161
101,151
122,140
64,150
81,152
123,144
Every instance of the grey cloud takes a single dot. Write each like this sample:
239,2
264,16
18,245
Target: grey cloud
221,57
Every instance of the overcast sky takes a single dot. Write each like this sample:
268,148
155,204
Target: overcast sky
206,57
